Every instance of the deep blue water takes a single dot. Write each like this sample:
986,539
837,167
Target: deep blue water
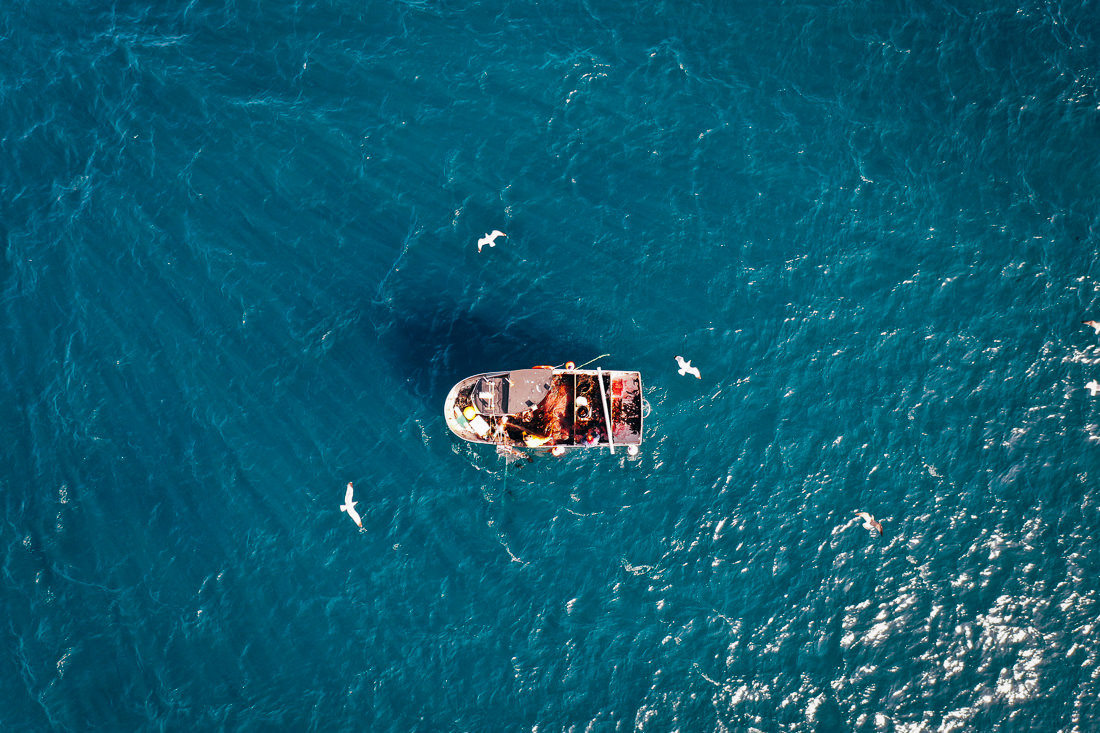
240,270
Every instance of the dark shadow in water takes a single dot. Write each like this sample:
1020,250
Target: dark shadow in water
435,344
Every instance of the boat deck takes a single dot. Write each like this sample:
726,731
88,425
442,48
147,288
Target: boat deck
534,408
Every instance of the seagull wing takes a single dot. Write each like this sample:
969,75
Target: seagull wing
497,233
355,516
347,496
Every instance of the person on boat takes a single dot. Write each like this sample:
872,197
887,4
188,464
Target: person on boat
592,437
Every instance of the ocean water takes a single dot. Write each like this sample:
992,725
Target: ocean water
240,271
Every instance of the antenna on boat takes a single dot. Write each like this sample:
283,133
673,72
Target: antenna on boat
582,366
606,412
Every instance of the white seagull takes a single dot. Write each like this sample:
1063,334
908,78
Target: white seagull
349,507
490,239
686,368
1093,387
869,522
1094,324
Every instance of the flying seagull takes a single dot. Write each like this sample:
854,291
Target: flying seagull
349,507
1094,324
869,522
686,368
490,239
1093,387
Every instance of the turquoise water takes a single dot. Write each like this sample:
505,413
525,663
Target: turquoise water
241,270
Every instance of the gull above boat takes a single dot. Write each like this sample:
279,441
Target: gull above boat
549,408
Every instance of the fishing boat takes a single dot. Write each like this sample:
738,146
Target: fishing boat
549,408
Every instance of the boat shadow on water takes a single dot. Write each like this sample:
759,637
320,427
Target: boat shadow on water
432,348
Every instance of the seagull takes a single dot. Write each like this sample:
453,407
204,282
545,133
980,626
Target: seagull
686,368
1093,387
349,507
869,522
490,239
1094,324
